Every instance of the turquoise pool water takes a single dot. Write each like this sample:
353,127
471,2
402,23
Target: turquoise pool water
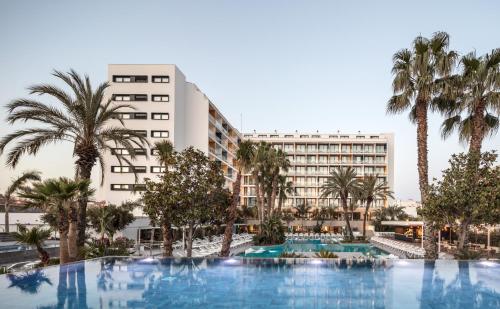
310,246
255,283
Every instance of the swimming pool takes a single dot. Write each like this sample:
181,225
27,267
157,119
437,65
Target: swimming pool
256,283
311,246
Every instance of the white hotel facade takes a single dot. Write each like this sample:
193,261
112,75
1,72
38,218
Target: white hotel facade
169,107
166,107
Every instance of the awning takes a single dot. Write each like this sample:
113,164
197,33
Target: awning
402,223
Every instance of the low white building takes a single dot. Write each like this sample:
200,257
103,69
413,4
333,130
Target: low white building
410,206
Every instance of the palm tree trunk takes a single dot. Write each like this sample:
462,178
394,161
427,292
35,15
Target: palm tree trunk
280,203
72,234
43,254
189,250
166,230
63,237
346,218
85,164
7,223
477,133
429,240
365,217
274,191
231,217
257,197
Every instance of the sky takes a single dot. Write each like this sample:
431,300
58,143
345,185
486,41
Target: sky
277,65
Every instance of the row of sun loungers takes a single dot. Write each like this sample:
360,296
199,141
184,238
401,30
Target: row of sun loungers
400,248
316,236
205,247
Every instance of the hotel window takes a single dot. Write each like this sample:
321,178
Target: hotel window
369,159
333,136
316,136
130,116
360,136
334,148
379,159
357,148
301,148
130,97
304,136
288,136
323,159
358,170
323,148
277,146
374,137
262,135
346,148
323,202
346,159
128,169
160,98
322,180
290,158
142,133
300,191
312,148
344,136
334,159
311,170
369,170
248,135
311,192
160,79
311,159
125,152
300,169
358,159
310,201
323,170
368,148
300,159
379,170
159,116
273,136
300,181
288,147
311,181
381,148
158,169
161,134
128,187
130,78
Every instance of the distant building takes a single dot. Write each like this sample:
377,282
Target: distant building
410,206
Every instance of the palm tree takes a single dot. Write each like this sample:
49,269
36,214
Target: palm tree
166,157
284,188
342,183
416,73
15,185
83,118
279,163
370,190
34,237
244,157
471,100
301,211
259,165
60,196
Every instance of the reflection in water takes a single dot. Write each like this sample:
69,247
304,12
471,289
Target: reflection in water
29,282
71,289
459,293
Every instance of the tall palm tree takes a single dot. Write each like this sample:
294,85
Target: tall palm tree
166,157
244,157
416,74
342,183
83,117
301,211
60,196
34,237
279,163
471,100
284,188
370,190
15,185
259,170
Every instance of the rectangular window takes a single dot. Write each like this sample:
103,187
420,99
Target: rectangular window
158,169
125,152
130,78
160,98
128,187
159,116
128,169
160,79
288,136
130,97
127,116
311,148
161,134
142,133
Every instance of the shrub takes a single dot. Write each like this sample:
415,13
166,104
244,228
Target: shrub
272,232
285,255
324,254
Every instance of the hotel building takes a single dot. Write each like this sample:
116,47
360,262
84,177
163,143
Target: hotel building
314,156
166,107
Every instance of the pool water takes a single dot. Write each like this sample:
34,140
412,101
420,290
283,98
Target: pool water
255,283
310,246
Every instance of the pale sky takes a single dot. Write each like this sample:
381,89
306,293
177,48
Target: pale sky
282,65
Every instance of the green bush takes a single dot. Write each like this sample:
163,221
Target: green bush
285,255
324,254
272,232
